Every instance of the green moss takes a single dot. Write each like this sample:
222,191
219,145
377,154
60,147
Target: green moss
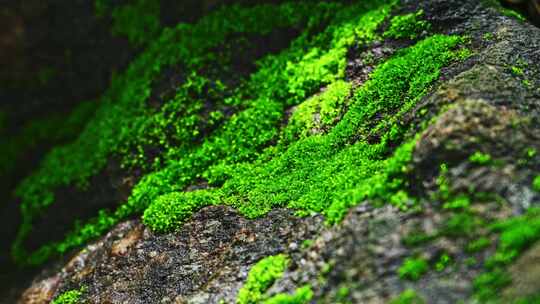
180,122
478,245
307,243
536,183
488,285
517,71
123,111
409,296
46,74
342,293
512,14
443,184
503,10
137,20
302,295
488,36
516,235
169,211
413,268
461,202
54,129
462,224
407,26
101,7
69,297
418,238
480,158
444,261
261,276
319,112
325,173
534,299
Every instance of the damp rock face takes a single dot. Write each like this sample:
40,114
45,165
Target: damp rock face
458,236
204,262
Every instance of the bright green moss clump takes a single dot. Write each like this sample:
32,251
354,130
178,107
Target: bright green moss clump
302,295
261,276
124,110
319,113
69,297
516,235
322,173
480,158
325,173
413,268
171,210
408,26
536,183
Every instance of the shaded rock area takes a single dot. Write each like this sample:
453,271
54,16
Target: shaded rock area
479,106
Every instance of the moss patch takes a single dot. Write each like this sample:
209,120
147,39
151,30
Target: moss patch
515,236
536,183
325,173
261,276
480,158
302,295
413,268
408,26
69,297
124,111
408,296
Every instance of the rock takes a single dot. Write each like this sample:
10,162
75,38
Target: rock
205,261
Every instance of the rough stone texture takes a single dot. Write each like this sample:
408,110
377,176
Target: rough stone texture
489,109
207,260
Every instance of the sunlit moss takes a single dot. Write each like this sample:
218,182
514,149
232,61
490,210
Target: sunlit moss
261,276
325,173
302,295
69,297
480,158
123,107
536,183
169,211
320,112
413,268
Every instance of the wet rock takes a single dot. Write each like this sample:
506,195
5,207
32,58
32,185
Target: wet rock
207,260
